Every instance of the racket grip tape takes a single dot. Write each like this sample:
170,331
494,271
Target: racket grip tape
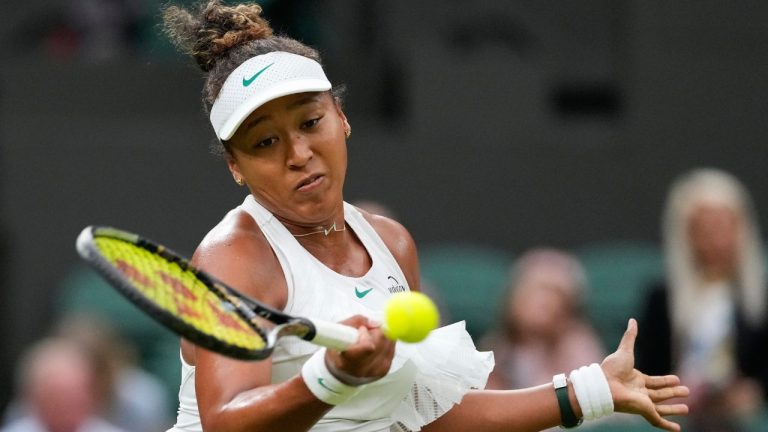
333,335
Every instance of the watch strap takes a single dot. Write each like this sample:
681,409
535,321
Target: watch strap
568,418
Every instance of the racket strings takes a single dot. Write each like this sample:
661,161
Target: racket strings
179,292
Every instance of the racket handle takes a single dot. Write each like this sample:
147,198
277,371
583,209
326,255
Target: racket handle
333,335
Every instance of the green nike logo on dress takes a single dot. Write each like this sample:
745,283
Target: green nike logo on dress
247,82
361,294
322,384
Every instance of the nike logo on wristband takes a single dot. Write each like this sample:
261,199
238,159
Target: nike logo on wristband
322,384
247,82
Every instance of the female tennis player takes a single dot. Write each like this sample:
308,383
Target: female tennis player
296,245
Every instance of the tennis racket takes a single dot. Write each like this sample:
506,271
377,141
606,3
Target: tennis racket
193,303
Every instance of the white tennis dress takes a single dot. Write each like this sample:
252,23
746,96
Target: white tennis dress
426,379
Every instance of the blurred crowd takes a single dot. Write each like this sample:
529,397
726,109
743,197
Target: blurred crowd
702,316
94,31
84,377
701,311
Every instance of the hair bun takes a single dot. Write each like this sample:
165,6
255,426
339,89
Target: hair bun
215,30
236,25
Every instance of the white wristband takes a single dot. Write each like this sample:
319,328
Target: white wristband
603,390
592,391
322,383
579,387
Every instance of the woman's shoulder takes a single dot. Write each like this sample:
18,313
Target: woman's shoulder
236,233
390,230
236,251
399,242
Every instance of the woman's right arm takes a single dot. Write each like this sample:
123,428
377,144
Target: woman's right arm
238,396
234,395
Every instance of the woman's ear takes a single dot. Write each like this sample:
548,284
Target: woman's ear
344,122
235,170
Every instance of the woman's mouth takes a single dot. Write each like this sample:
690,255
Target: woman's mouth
310,183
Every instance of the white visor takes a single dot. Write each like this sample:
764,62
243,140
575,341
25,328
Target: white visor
260,80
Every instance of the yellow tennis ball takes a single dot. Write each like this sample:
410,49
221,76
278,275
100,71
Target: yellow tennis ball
410,316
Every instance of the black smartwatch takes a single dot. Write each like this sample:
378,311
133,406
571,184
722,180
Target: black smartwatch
568,418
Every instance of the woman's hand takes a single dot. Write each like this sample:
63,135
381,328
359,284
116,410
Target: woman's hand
368,359
637,393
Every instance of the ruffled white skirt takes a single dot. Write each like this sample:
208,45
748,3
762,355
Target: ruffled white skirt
426,380
447,366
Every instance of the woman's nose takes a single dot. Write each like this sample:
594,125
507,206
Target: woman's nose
299,151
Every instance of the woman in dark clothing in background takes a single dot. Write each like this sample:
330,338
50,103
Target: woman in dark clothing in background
706,321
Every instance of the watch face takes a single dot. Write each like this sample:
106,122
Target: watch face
559,381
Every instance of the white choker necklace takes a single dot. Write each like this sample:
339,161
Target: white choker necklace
325,231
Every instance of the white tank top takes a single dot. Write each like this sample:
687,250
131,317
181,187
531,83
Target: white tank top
314,290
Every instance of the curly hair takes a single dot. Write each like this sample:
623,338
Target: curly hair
220,38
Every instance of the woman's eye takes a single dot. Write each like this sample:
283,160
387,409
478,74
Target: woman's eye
264,143
310,123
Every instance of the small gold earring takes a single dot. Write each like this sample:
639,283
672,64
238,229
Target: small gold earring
348,131
240,181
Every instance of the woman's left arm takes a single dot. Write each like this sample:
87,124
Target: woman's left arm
536,408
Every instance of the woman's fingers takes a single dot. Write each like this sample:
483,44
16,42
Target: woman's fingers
672,409
663,423
627,343
357,321
369,358
657,382
365,341
661,388
654,416
661,395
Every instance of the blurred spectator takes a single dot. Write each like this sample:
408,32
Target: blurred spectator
707,319
123,394
57,389
85,30
106,29
132,398
97,31
147,344
543,330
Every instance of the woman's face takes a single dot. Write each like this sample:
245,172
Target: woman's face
539,303
292,154
714,232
